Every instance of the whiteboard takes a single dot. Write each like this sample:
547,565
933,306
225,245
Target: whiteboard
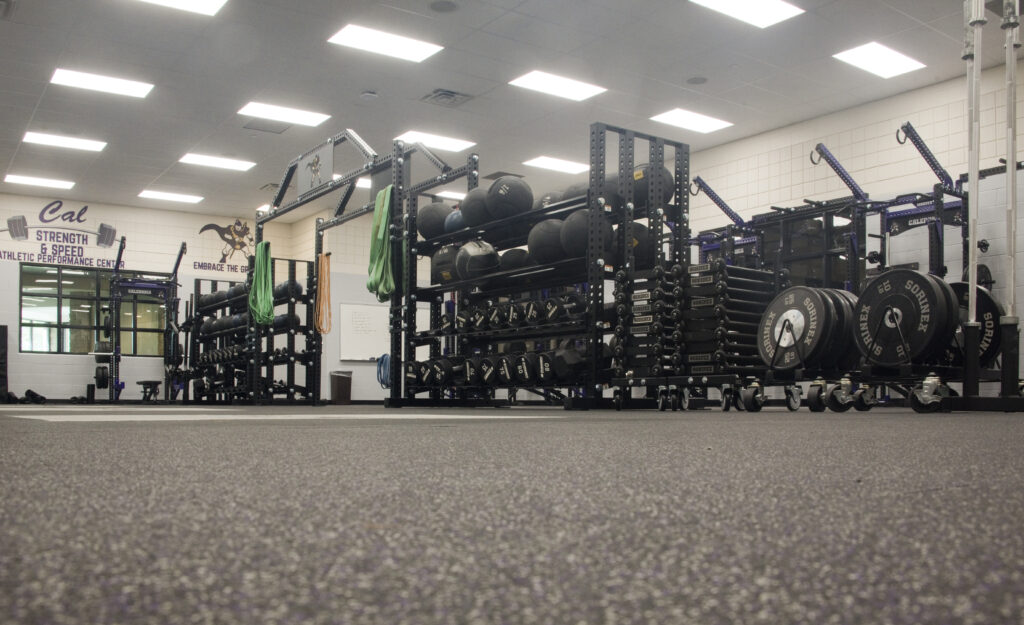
363,330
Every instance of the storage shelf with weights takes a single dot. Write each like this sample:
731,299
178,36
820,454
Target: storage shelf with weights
517,294
220,343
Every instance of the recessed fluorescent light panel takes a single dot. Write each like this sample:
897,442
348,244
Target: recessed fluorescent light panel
97,82
557,164
203,7
64,142
452,195
691,121
216,161
388,44
557,85
263,209
283,114
760,13
879,60
171,197
363,183
437,142
39,182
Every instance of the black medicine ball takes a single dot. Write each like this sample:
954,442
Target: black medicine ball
442,265
474,208
476,259
514,259
508,196
642,176
574,233
430,219
643,250
544,241
547,199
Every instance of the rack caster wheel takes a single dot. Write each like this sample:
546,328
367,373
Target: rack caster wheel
617,400
512,398
675,400
815,401
663,400
751,399
864,400
683,395
726,399
793,398
837,401
921,405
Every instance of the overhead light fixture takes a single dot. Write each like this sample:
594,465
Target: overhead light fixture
760,13
438,142
557,85
171,197
557,164
216,161
39,182
203,7
97,82
879,60
283,114
691,121
452,195
64,142
381,42
263,209
363,183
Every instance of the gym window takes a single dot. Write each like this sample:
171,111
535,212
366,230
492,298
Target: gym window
62,312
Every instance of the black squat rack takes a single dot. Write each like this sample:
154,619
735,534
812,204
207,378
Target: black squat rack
584,321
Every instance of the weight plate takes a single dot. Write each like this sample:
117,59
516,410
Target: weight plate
989,312
900,316
840,354
808,317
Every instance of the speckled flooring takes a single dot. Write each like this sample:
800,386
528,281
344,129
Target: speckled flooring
587,518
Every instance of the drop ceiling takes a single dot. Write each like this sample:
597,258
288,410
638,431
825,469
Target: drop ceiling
206,68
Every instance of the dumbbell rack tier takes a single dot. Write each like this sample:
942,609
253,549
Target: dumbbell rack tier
589,327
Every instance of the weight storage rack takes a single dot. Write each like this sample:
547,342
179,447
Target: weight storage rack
590,324
241,361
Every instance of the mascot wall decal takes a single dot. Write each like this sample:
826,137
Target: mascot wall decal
237,238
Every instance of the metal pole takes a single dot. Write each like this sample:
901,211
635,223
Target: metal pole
975,21
1009,26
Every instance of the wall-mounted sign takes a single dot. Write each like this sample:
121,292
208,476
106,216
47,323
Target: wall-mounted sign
63,235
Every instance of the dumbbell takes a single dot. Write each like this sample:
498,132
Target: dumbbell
447,323
534,367
505,369
497,315
558,308
471,318
425,373
675,271
668,295
445,370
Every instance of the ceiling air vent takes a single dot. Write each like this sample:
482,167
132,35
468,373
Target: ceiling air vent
446,97
270,186
264,125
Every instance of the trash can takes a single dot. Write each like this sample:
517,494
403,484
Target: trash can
341,387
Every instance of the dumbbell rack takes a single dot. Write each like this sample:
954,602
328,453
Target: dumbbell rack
208,371
240,363
587,328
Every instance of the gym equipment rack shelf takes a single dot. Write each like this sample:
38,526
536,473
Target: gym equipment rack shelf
586,274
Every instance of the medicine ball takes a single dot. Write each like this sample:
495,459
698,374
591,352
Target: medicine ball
476,259
609,191
642,176
574,233
515,258
547,199
643,251
544,241
474,208
287,290
442,265
430,219
454,221
508,196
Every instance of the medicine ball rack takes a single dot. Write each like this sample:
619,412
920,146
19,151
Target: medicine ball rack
586,329
238,361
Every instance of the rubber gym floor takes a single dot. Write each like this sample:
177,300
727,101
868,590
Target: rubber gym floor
361,515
